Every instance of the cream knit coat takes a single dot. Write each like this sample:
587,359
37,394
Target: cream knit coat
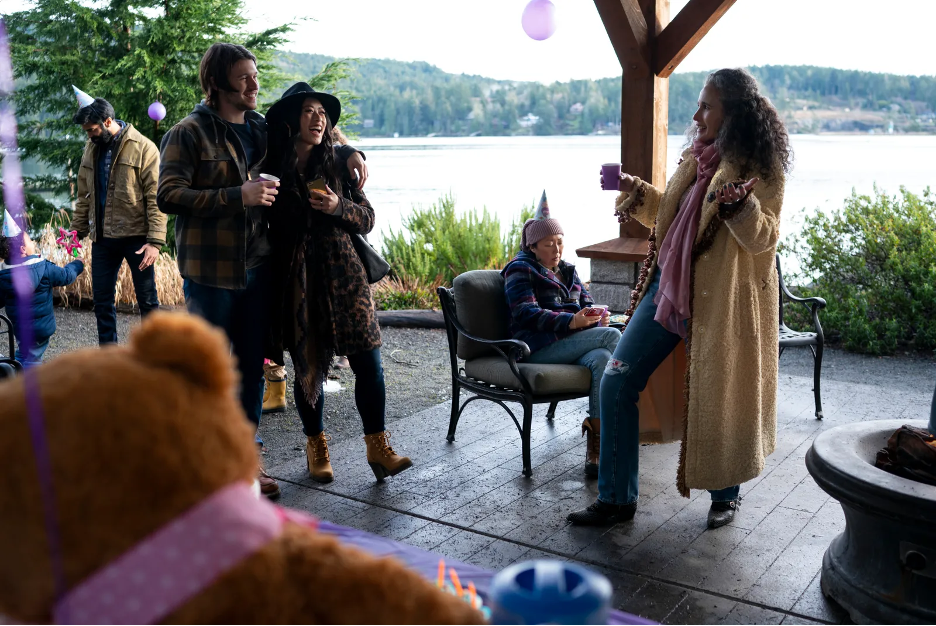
729,416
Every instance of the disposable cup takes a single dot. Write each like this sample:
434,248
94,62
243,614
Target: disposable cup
269,177
611,176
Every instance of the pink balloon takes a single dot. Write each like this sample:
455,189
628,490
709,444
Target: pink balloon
539,19
156,111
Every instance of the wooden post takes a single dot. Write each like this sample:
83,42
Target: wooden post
649,47
633,26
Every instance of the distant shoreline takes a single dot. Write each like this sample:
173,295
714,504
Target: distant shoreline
853,133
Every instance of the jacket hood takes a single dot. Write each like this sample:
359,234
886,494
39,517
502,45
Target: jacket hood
202,109
30,260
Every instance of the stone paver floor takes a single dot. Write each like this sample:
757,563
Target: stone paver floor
468,500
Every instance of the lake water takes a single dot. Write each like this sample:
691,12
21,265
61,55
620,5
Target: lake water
504,174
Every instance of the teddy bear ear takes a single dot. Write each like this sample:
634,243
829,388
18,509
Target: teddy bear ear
188,345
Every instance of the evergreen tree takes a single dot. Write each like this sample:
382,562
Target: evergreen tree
131,54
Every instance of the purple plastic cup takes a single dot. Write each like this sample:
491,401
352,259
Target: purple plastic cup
604,309
611,176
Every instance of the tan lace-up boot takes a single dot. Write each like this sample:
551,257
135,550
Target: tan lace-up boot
381,457
274,396
319,462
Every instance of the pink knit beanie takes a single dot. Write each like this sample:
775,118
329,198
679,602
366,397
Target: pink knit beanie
539,226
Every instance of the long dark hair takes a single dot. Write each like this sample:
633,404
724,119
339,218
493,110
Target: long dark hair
281,158
752,133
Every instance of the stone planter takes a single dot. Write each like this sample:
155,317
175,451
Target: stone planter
882,568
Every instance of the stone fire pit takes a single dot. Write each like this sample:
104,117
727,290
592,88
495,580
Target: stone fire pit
882,568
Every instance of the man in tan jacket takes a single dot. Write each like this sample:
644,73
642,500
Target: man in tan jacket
116,207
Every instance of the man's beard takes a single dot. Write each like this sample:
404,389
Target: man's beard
104,138
236,99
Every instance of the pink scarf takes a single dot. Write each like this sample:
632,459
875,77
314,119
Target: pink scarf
675,258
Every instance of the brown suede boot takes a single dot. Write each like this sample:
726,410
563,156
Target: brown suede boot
317,458
592,427
381,457
268,485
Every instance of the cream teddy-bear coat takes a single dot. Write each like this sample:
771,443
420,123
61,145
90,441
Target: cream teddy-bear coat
729,408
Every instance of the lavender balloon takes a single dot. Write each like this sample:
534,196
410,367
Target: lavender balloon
539,19
156,111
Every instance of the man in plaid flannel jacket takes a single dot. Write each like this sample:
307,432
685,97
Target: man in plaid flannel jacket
208,180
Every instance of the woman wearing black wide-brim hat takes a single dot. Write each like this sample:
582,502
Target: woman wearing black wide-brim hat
322,304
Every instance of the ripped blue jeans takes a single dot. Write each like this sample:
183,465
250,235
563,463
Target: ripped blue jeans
644,345
590,347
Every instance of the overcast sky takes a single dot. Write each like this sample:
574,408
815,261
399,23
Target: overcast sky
484,36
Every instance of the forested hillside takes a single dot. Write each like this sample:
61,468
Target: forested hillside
418,99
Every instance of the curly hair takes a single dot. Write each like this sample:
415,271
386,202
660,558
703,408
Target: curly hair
752,133
10,247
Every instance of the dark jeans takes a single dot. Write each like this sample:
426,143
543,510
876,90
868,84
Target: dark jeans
642,348
31,356
242,315
369,395
106,257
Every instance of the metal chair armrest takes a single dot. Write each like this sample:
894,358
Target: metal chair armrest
814,301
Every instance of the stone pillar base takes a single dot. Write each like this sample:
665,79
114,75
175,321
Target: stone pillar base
612,282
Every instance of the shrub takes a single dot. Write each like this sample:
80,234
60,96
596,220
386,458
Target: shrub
168,280
875,264
438,245
392,294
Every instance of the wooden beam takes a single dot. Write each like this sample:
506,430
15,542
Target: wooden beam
644,114
627,29
686,30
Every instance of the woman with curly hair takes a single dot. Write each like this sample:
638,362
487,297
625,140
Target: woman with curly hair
712,287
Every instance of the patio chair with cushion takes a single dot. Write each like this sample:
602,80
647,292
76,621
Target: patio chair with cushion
815,340
476,319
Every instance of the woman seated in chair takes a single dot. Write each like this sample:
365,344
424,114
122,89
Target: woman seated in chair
551,311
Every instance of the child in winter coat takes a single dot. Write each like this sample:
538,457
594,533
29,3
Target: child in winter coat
19,254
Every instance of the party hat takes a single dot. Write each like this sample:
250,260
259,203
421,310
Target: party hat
540,225
10,227
542,210
83,98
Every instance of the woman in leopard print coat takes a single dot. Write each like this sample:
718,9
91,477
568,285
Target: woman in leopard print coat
322,303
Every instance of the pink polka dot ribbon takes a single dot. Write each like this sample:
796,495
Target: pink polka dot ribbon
178,561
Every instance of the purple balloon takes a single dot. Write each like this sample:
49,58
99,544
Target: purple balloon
539,19
156,111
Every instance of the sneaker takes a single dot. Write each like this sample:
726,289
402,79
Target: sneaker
603,514
722,513
268,485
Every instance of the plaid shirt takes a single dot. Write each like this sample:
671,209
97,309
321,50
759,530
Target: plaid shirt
201,172
542,302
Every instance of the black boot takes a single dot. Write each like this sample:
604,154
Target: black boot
603,514
722,513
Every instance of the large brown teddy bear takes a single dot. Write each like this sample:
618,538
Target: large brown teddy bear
137,436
